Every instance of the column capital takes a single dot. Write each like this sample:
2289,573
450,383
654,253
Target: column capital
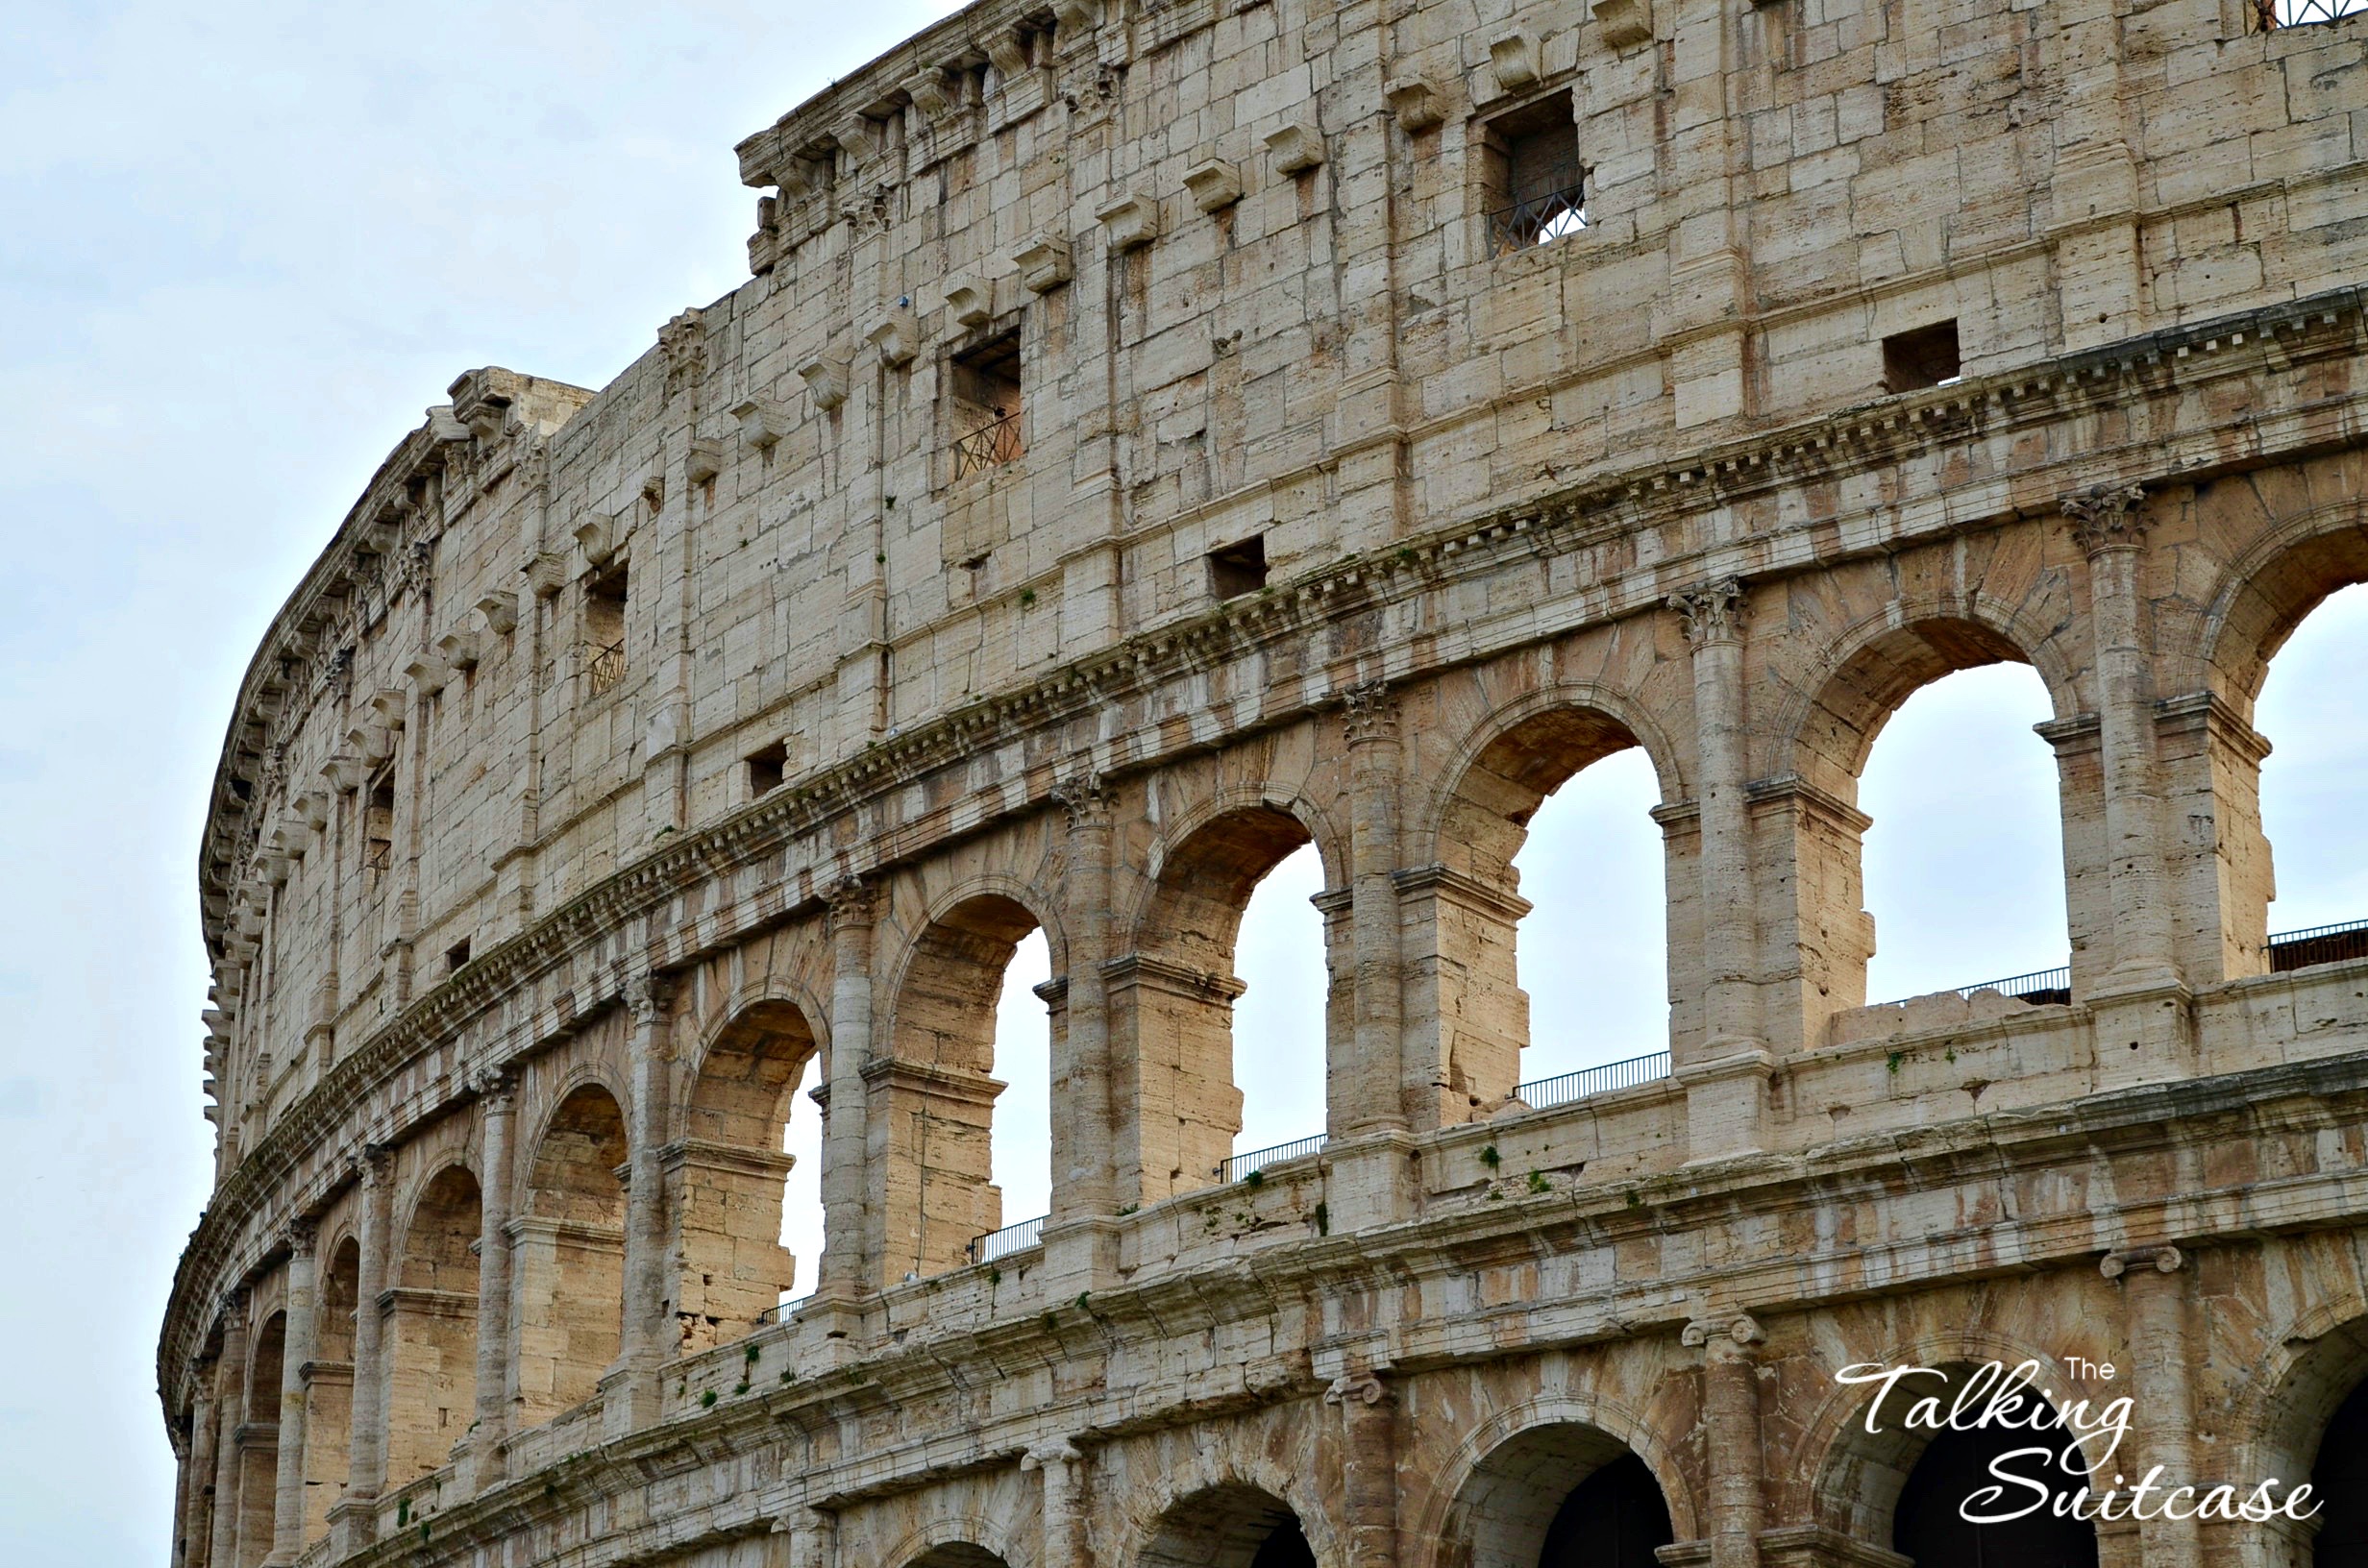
2104,517
1060,1451
495,1087
1370,712
301,1237
2165,1259
1086,797
853,902
1712,613
1743,1328
1357,1388
233,1311
375,1165
647,996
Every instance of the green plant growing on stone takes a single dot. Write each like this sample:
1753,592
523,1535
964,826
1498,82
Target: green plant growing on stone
706,1399
1490,1158
1323,1219
1537,1181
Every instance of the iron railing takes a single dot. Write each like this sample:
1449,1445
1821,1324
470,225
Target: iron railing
2267,15
2039,986
1243,1165
2318,945
378,854
990,446
999,1244
780,1310
1543,1092
605,666
1541,219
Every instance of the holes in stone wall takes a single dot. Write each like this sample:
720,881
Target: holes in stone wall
766,766
983,394
603,628
1238,568
1532,188
1921,358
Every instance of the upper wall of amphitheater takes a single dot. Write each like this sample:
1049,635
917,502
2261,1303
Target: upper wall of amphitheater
1241,276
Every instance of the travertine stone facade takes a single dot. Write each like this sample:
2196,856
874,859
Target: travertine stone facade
1141,451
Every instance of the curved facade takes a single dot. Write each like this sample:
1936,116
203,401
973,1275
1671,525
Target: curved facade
1154,438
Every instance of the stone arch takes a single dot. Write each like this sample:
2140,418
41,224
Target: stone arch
958,1540
1229,1523
2309,1392
1824,735
567,1260
259,1446
725,1174
328,1384
1172,993
430,1333
1159,1521
1580,1423
935,1090
2269,588
1470,904
1861,1478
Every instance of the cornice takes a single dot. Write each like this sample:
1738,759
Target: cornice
1568,518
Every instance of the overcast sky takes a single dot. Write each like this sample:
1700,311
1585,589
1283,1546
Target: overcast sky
240,249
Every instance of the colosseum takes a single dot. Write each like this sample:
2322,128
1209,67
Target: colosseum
1156,435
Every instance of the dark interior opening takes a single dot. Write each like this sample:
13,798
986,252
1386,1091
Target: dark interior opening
1239,569
1925,356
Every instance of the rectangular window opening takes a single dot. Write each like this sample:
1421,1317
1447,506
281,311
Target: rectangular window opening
603,628
983,396
1925,356
456,956
378,823
766,769
1239,569
1532,186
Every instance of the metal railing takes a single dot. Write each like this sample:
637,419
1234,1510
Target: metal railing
2039,986
2267,15
990,446
1243,1165
1541,219
378,854
605,666
780,1310
1543,1092
2318,945
1011,1238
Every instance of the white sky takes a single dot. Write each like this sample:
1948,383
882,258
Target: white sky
240,249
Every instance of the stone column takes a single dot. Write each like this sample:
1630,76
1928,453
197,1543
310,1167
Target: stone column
1368,1468
496,1094
1731,1426
2154,1328
1081,1239
630,1394
288,1509
1063,1515
1374,1096
845,1274
2142,1033
353,1519
196,1519
1726,1084
814,1539
230,1414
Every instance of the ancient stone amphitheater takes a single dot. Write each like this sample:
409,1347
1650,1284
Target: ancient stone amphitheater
1159,436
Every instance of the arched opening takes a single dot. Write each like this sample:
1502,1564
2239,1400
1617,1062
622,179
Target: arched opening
329,1388
1941,755
1172,1006
1907,1485
2339,1484
258,1442
430,1328
937,1094
957,1555
1020,1143
729,1177
1551,906
1279,1063
1565,1495
568,1258
2313,710
1229,1526
1965,868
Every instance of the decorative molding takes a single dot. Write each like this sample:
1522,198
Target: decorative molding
1712,613
2166,1259
1357,1388
1370,712
1743,1328
2105,517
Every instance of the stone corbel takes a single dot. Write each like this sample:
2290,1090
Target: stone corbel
1416,105
345,774
1077,17
1007,52
1515,59
391,703
705,462
429,673
897,334
277,870
971,302
499,612
763,423
444,426
546,573
931,90
1043,263
597,537
856,136
1129,221
1625,23
315,806
458,649
1296,148
1214,183
826,381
